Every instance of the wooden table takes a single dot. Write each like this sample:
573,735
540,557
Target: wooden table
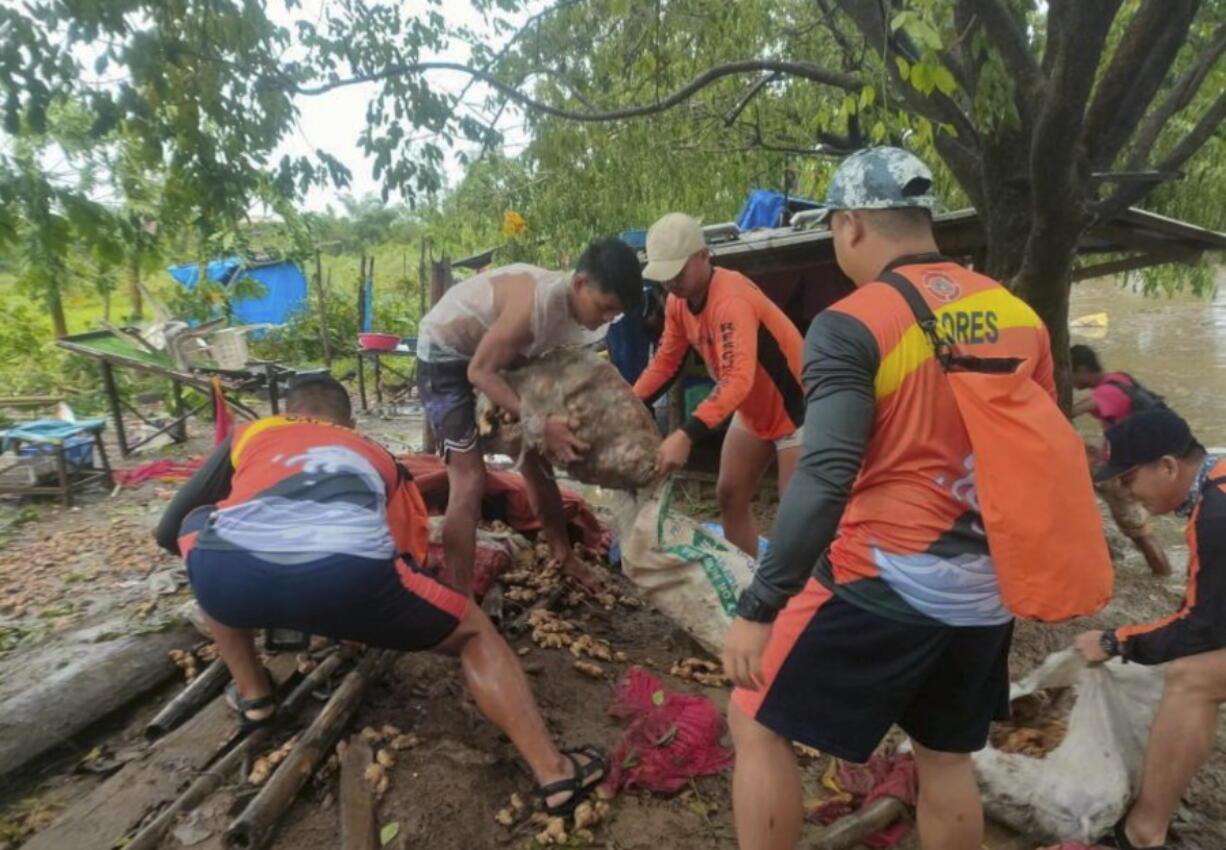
376,358
113,351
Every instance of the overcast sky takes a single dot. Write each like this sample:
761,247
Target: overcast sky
333,121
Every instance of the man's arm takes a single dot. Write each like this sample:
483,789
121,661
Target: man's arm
1200,626
841,360
1086,405
505,340
209,485
666,365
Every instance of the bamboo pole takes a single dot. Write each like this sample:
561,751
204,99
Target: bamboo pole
357,809
254,827
189,700
150,837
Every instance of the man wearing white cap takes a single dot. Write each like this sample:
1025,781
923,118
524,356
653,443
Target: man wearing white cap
752,350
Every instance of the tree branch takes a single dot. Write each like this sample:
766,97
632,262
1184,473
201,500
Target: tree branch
1131,193
1141,62
1077,31
870,19
736,110
1009,38
804,70
1180,96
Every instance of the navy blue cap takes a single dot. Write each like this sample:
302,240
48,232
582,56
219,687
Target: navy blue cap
1143,438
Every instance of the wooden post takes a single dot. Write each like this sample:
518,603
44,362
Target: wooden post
321,298
440,282
357,809
421,283
112,397
180,434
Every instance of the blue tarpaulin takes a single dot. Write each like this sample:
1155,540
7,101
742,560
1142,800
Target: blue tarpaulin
284,284
764,208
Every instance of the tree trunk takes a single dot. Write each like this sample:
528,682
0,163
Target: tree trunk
59,325
1044,282
134,293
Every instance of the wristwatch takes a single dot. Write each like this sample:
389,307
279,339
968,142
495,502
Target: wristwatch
1110,643
750,607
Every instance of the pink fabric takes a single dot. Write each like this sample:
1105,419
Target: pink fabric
670,737
881,777
1111,404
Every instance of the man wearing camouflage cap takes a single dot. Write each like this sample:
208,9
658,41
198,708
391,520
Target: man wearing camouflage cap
877,602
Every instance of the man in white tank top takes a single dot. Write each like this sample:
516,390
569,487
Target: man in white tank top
485,324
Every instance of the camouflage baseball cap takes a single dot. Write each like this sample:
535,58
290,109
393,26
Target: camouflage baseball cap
880,179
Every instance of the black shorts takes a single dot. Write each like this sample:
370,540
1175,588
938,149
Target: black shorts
381,603
451,405
839,676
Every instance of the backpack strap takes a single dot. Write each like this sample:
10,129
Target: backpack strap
942,345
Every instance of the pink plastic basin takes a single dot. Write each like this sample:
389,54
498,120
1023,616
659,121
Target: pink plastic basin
379,342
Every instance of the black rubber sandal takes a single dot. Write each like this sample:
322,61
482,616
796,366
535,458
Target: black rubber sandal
1119,839
586,777
242,706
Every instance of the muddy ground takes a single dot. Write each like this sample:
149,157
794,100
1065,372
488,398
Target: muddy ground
445,792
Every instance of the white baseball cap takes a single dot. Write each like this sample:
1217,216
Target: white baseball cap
671,242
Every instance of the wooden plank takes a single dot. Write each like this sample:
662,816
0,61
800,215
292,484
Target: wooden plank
357,808
117,806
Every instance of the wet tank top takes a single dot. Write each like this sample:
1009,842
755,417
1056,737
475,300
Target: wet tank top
454,326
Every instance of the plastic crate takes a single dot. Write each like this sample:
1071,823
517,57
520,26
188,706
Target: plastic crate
78,451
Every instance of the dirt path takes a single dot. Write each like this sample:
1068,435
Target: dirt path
62,570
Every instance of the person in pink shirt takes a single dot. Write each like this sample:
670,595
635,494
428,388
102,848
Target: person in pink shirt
1114,396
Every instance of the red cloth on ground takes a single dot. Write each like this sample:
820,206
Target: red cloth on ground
881,777
489,562
166,469
431,476
670,737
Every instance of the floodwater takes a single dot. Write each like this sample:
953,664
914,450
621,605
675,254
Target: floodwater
1175,346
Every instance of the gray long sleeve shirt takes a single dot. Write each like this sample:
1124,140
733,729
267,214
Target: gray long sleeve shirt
841,361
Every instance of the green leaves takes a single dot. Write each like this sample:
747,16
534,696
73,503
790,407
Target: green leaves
388,833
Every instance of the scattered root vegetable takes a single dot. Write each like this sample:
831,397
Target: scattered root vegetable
265,764
589,668
385,758
699,670
186,662
592,648
405,742
553,833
